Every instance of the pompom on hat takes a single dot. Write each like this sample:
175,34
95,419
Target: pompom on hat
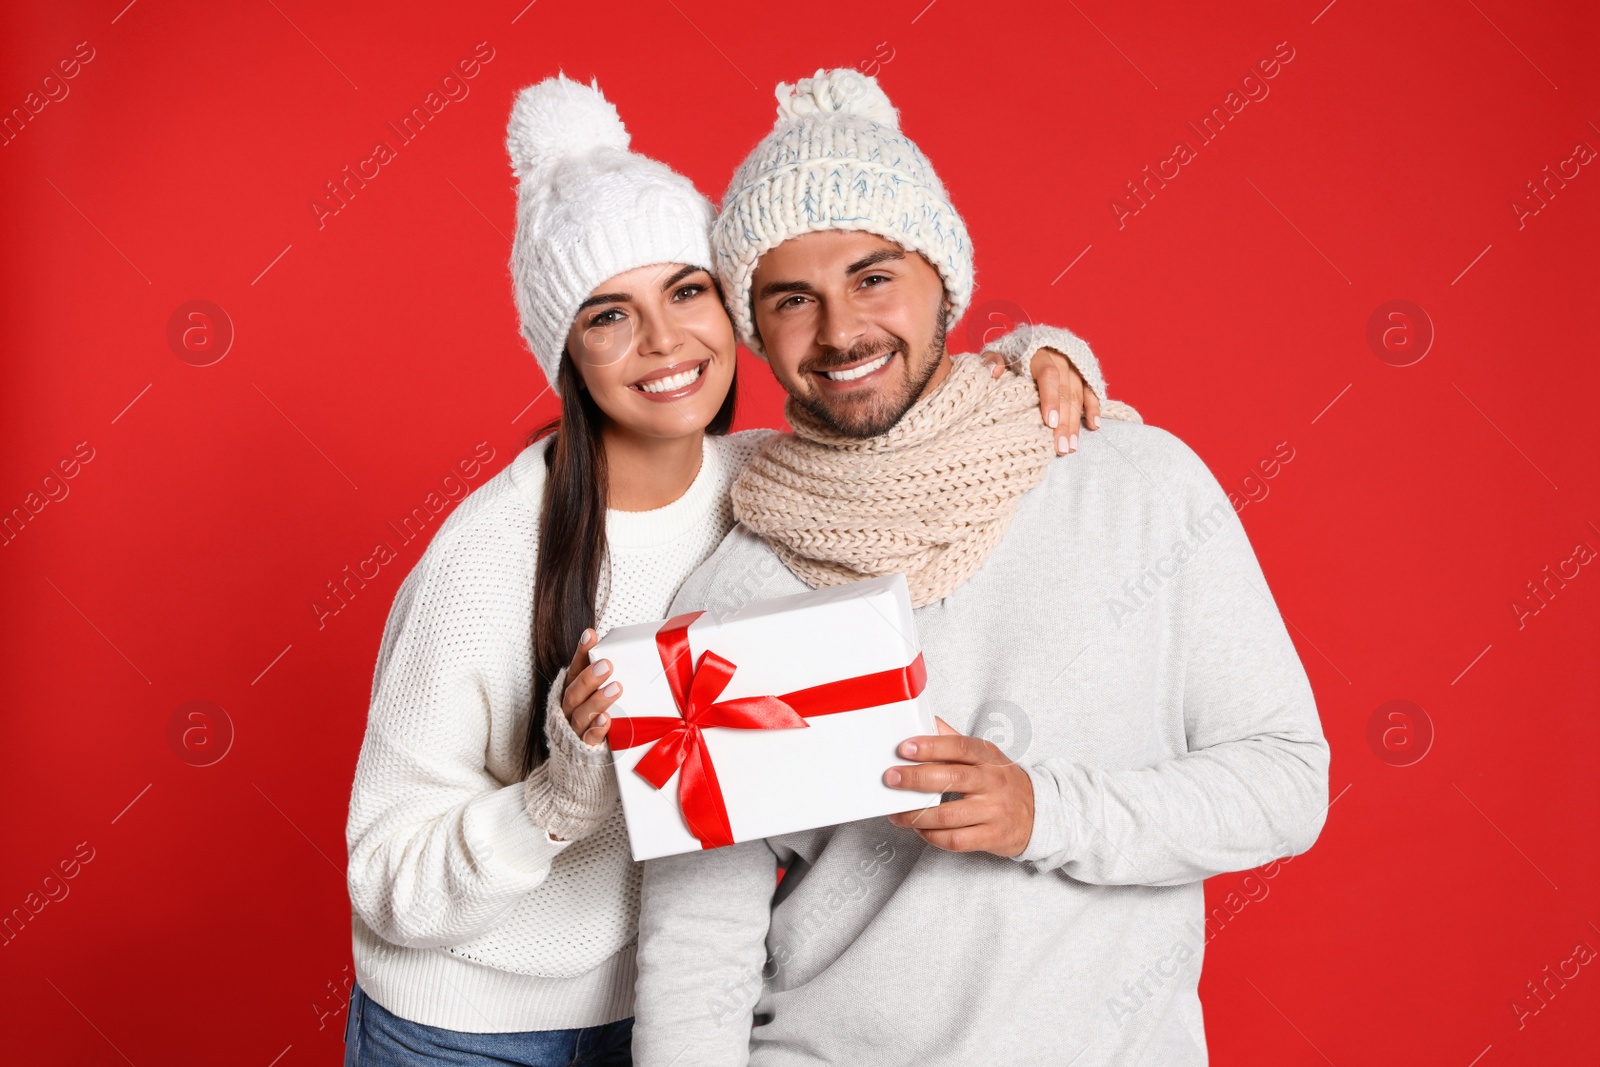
588,209
836,160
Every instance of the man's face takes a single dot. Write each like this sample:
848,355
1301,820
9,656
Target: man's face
853,326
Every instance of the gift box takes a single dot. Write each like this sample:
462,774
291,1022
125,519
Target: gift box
777,717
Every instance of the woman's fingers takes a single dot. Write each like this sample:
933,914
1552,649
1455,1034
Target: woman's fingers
1074,410
1047,377
589,693
582,686
580,658
1091,408
589,719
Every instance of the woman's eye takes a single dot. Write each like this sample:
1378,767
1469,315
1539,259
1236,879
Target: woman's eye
608,317
691,290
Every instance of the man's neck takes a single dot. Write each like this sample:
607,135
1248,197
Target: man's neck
940,373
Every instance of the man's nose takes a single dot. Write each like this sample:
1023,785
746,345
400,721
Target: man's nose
841,327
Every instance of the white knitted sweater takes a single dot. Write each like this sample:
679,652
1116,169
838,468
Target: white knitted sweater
465,913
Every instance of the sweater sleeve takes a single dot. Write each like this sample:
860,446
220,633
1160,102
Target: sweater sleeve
1253,783
573,792
439,848
1020,345
703,919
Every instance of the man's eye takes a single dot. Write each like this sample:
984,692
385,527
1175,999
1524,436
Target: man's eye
874,278
608,317
693,289
791,301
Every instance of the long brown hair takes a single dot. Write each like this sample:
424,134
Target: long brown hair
572,538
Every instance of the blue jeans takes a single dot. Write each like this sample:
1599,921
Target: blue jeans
376,1037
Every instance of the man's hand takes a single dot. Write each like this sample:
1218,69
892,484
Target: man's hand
1065,402
995,811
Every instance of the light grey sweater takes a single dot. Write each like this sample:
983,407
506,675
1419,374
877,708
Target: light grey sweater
1122,646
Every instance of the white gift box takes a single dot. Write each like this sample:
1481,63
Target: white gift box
851,647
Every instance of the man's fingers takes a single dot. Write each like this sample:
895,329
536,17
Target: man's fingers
1091,408
996,362
967,811
950,747
961,839
944,727
936,778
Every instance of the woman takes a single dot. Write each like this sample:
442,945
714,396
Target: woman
494,898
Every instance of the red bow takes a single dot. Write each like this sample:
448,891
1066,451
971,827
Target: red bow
695,688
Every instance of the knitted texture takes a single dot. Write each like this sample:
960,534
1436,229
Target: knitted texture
836,160
1122,646
465,914
578,788
588,209
930,499
1020,345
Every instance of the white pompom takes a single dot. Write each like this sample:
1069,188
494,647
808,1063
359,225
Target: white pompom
843,91
560,117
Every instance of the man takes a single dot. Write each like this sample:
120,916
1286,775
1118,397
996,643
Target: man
1108,613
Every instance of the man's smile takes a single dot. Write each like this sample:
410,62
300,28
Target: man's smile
852,376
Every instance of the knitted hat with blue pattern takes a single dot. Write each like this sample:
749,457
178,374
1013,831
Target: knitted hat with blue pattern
836,160
588,209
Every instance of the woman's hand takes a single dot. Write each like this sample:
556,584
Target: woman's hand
573,792
1061,392
587,696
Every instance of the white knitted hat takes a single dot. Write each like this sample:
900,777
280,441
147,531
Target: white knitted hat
588,209
836,160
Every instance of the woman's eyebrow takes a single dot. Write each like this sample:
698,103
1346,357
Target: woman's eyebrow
605,298
682,273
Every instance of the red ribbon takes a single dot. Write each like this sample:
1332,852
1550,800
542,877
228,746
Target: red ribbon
679,745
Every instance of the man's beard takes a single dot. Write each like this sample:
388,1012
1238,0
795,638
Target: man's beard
872,414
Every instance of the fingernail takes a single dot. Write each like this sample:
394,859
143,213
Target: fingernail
1094,422
600,720
891,777
1061,444
1072,443
602,668
612,690
908,749
588,635
1052,419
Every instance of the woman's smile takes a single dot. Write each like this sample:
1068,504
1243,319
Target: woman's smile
672,382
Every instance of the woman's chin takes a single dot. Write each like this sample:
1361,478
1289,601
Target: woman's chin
672,419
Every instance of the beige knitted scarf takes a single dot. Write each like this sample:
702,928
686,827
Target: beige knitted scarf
929,499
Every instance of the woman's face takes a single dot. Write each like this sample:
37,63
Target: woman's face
655,349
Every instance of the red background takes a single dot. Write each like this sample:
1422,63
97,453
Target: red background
373,353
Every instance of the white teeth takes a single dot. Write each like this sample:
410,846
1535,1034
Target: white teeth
856,372
675,381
